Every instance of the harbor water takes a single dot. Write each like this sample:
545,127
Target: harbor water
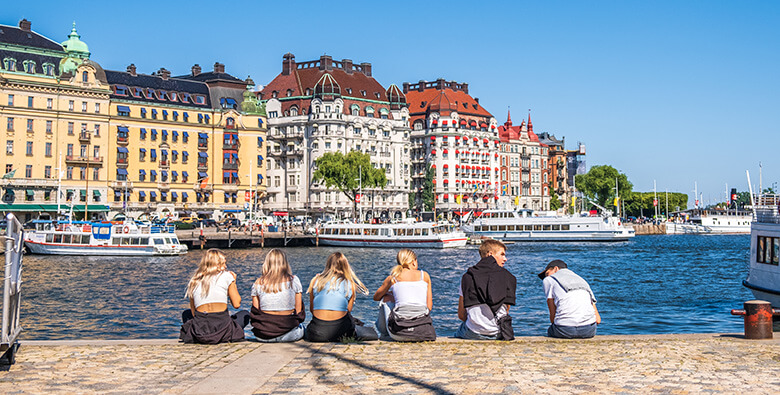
648,285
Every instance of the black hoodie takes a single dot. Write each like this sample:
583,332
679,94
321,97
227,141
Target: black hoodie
487,283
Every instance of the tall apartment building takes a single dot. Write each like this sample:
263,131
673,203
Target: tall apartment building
122,140
325,105
453,134
525,176
557,168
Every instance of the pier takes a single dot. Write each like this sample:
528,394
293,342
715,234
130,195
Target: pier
692,363
650,229
237,238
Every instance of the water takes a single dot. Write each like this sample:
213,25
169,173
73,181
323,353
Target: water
649,285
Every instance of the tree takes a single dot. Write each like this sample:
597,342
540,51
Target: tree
641,203
555,203
598,184
423,197
348,172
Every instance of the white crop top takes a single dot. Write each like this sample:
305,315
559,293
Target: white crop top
411,292
218,291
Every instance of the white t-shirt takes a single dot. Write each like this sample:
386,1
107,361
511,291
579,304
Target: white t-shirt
573,308
480,319
280,301
218,290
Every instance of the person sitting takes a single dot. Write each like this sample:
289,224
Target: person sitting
573,312
486,292
207,321
277,306
407,300
331,298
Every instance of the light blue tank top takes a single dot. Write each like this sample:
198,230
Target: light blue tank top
336,299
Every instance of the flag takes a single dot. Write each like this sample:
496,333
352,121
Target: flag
10,174
615,202
458,198
517,200
204,183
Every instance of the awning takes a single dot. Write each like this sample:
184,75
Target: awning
175,133
184,174
259,139
163,194
122,109
154,111
174,173
165,133
202,174
175,113
143,111
153,153
174,195
259,158
121,172
122,150
143,131
143,150
185,134
93,208
203,155
154,172
185,153
95,192
164,152
152,194
29,192
142,171
122,129
141,193
154,132
235,175
165,112
83,192
186,116
174,152
184,195
203,135
164,173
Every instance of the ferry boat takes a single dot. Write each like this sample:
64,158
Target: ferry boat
510,225
764,274
118,238
712,222
399,235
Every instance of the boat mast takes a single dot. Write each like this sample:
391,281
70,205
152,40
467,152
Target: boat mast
655,200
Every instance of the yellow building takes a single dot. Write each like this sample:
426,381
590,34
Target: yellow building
122,141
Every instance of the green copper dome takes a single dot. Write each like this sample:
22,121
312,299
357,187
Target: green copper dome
74,46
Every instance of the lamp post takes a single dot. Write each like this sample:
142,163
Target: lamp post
87,136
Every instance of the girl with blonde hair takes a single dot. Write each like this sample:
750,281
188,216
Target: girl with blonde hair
406,301
331,298
277,313
207,320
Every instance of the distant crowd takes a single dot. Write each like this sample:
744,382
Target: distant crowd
405,301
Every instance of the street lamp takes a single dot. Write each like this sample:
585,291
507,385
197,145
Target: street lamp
86,135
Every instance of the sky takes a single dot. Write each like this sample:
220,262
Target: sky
680,93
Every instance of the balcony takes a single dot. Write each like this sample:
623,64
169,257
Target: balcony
120,184
203,145
385,154
122,140
230,166
203,166
231,145
83,160
295,152
85,137
163,185
294,135
276,153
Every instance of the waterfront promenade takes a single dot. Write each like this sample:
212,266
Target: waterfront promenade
691,363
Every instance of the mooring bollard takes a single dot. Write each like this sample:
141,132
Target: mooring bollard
758,319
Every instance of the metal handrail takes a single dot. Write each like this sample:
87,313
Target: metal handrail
14,242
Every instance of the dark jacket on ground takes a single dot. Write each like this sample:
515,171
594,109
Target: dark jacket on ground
211,328
269,326
490,284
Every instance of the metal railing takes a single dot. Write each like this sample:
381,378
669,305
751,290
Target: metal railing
12,287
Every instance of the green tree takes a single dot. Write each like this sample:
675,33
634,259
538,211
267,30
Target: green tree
345,172
555,203
598,184
641,203
424,199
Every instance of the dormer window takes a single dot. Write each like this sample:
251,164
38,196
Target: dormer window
84,76
377,95
48,69
149,93
308,91
349,91
274,94
293,111
184,97
289,92
172,96
120,90
200,99
161,95
137,92
362,92
9,64
29,66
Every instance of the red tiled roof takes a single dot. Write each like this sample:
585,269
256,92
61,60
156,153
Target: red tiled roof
300,79
445,100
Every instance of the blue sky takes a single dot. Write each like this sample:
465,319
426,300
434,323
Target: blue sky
677,92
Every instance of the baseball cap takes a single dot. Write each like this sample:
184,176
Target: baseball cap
556,263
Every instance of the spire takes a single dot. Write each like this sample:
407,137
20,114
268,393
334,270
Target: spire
530,125
508,118
74,46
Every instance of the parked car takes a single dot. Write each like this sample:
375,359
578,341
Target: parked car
188,220
207,222
230,222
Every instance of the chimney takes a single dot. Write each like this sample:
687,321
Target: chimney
421,86
25,25
406,87
465,87
476,99
195,69
131,69
347,65
165,74
219,67
440,84
326,63
366,68
288,63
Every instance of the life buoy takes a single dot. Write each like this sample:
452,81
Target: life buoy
126,229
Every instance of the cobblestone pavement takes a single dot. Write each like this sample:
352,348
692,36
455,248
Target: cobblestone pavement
623,364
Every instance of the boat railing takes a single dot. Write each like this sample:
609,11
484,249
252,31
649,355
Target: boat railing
766,208
162,229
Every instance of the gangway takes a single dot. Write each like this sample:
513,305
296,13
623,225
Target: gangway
12,287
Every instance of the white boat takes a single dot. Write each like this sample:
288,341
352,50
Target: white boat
712,222
764,274
103,238
400,235
510,225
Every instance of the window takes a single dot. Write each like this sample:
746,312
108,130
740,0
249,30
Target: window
48,69
49,104
10,124
97,130
29,149
10,100
9,168
29,125
69,151
49,125
71,104
28,171
82,173
29,101
47,150
69,173
97,108
141,175
84,76
96,175
47,172
83,106
70,128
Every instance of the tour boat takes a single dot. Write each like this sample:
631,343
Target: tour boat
764,273
712,222
117,238
399,235
510,225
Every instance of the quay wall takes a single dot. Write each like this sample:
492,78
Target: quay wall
650,229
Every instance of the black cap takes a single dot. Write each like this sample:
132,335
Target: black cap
556,263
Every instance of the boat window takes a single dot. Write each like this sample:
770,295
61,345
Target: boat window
104,230
58,238
768,250
537,227
115,241
775,251
159,241
135,241
49,238
527,227
125,241
565,227
417,232
425,232
502,228
556,227
546,227
374,232
84,239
